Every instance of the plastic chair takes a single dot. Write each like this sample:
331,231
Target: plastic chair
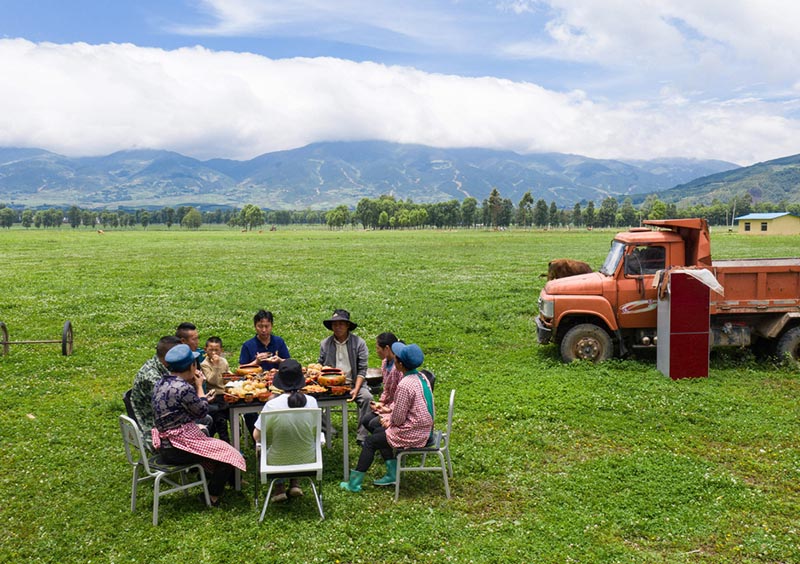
440,446
291,448
149,468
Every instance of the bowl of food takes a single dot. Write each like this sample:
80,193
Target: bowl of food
331,380
339,390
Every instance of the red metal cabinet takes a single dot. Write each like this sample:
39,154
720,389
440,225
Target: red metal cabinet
683,328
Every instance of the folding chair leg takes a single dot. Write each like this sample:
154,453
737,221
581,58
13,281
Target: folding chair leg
318,498
449,462
156,497
397,477
266,501
134,488
444,475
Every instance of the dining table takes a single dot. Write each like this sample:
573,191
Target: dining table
325,402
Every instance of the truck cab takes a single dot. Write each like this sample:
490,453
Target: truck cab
621,296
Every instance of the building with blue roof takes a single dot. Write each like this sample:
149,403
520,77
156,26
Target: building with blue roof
783,223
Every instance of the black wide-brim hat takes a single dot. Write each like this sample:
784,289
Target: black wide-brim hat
339,315
290,376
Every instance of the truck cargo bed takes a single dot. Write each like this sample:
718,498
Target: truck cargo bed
757,285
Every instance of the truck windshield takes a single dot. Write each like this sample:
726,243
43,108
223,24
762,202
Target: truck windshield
613,258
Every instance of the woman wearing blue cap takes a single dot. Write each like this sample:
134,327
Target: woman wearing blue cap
409,425
178,401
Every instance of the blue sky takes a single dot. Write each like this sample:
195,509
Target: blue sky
238,78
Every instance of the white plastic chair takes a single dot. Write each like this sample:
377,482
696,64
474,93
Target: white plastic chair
440,446
291,448
149,468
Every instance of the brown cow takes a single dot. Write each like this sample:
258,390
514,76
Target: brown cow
561,268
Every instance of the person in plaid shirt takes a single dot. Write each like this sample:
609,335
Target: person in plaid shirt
409,424
178,401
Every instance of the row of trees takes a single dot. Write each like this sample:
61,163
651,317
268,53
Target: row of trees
386,212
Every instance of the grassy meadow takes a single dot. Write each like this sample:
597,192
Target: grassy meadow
553,462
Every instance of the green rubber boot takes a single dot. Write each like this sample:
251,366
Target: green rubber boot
354,485
391,474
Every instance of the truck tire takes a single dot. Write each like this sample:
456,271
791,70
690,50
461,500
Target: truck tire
789,343
586,341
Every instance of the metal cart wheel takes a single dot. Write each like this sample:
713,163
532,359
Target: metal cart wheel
66,339
4,333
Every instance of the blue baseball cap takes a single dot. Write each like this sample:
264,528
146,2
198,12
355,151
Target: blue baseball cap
180,357
410,355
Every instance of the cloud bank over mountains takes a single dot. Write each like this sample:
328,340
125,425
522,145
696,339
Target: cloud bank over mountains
607,79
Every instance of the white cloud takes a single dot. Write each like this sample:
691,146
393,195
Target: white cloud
383,24
691,42
95,99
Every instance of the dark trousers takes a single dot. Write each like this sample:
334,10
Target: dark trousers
219,415
216,480
371,421
374,442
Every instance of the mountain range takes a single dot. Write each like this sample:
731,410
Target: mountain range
325,175
774,181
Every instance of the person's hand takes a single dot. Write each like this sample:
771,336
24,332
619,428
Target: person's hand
385,422
199,378
353,394
213,358
375,406
211,395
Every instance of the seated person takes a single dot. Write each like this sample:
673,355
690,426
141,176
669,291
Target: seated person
409,425
213,367
290,379
390,378
265,349
187,333
142,389
179,400
348,351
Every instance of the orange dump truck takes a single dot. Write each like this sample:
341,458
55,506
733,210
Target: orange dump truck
614,311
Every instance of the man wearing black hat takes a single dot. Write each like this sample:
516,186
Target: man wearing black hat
349,352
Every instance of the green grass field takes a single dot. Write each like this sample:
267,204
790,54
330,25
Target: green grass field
553,462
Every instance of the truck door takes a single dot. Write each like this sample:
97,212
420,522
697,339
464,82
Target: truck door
637,302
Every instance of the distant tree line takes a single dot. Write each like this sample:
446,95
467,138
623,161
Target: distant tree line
387,212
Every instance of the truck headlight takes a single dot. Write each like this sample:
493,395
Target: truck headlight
546,308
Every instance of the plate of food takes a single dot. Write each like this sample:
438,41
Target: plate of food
314,390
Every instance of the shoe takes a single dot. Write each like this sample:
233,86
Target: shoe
391,474
278,498
202,498
295,491
354,485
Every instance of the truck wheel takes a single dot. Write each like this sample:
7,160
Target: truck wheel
789,344
586,342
